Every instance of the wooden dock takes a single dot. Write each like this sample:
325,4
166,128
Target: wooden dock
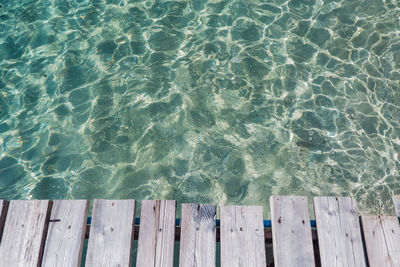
45,233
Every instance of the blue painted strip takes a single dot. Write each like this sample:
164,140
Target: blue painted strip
267,223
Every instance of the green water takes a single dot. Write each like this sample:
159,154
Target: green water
200,101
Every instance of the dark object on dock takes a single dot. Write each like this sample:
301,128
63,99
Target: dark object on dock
43,233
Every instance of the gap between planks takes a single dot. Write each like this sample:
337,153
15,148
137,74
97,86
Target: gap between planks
3,214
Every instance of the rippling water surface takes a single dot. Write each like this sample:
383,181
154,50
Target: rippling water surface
200,101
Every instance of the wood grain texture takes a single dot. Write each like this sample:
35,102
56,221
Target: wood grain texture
156,234
111,233
198,235
66,233
291,231
396,202
24,233
382,240
3,213
339,234
242,236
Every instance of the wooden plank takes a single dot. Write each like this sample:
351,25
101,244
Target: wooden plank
3,213
198,235
382,240
66,233
339,234
242,236
111,233
291,231
24,233
396,202
156,234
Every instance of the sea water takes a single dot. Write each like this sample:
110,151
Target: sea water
200,101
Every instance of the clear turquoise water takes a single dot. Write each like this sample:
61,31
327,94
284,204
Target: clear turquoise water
200,101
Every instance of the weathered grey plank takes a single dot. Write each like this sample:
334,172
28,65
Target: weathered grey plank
242,236
111,233
396,202
24,233
382,240
339,234
3,213
66,233
198,235
156,234
291,231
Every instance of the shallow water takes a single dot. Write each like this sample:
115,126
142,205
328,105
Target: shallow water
200,101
